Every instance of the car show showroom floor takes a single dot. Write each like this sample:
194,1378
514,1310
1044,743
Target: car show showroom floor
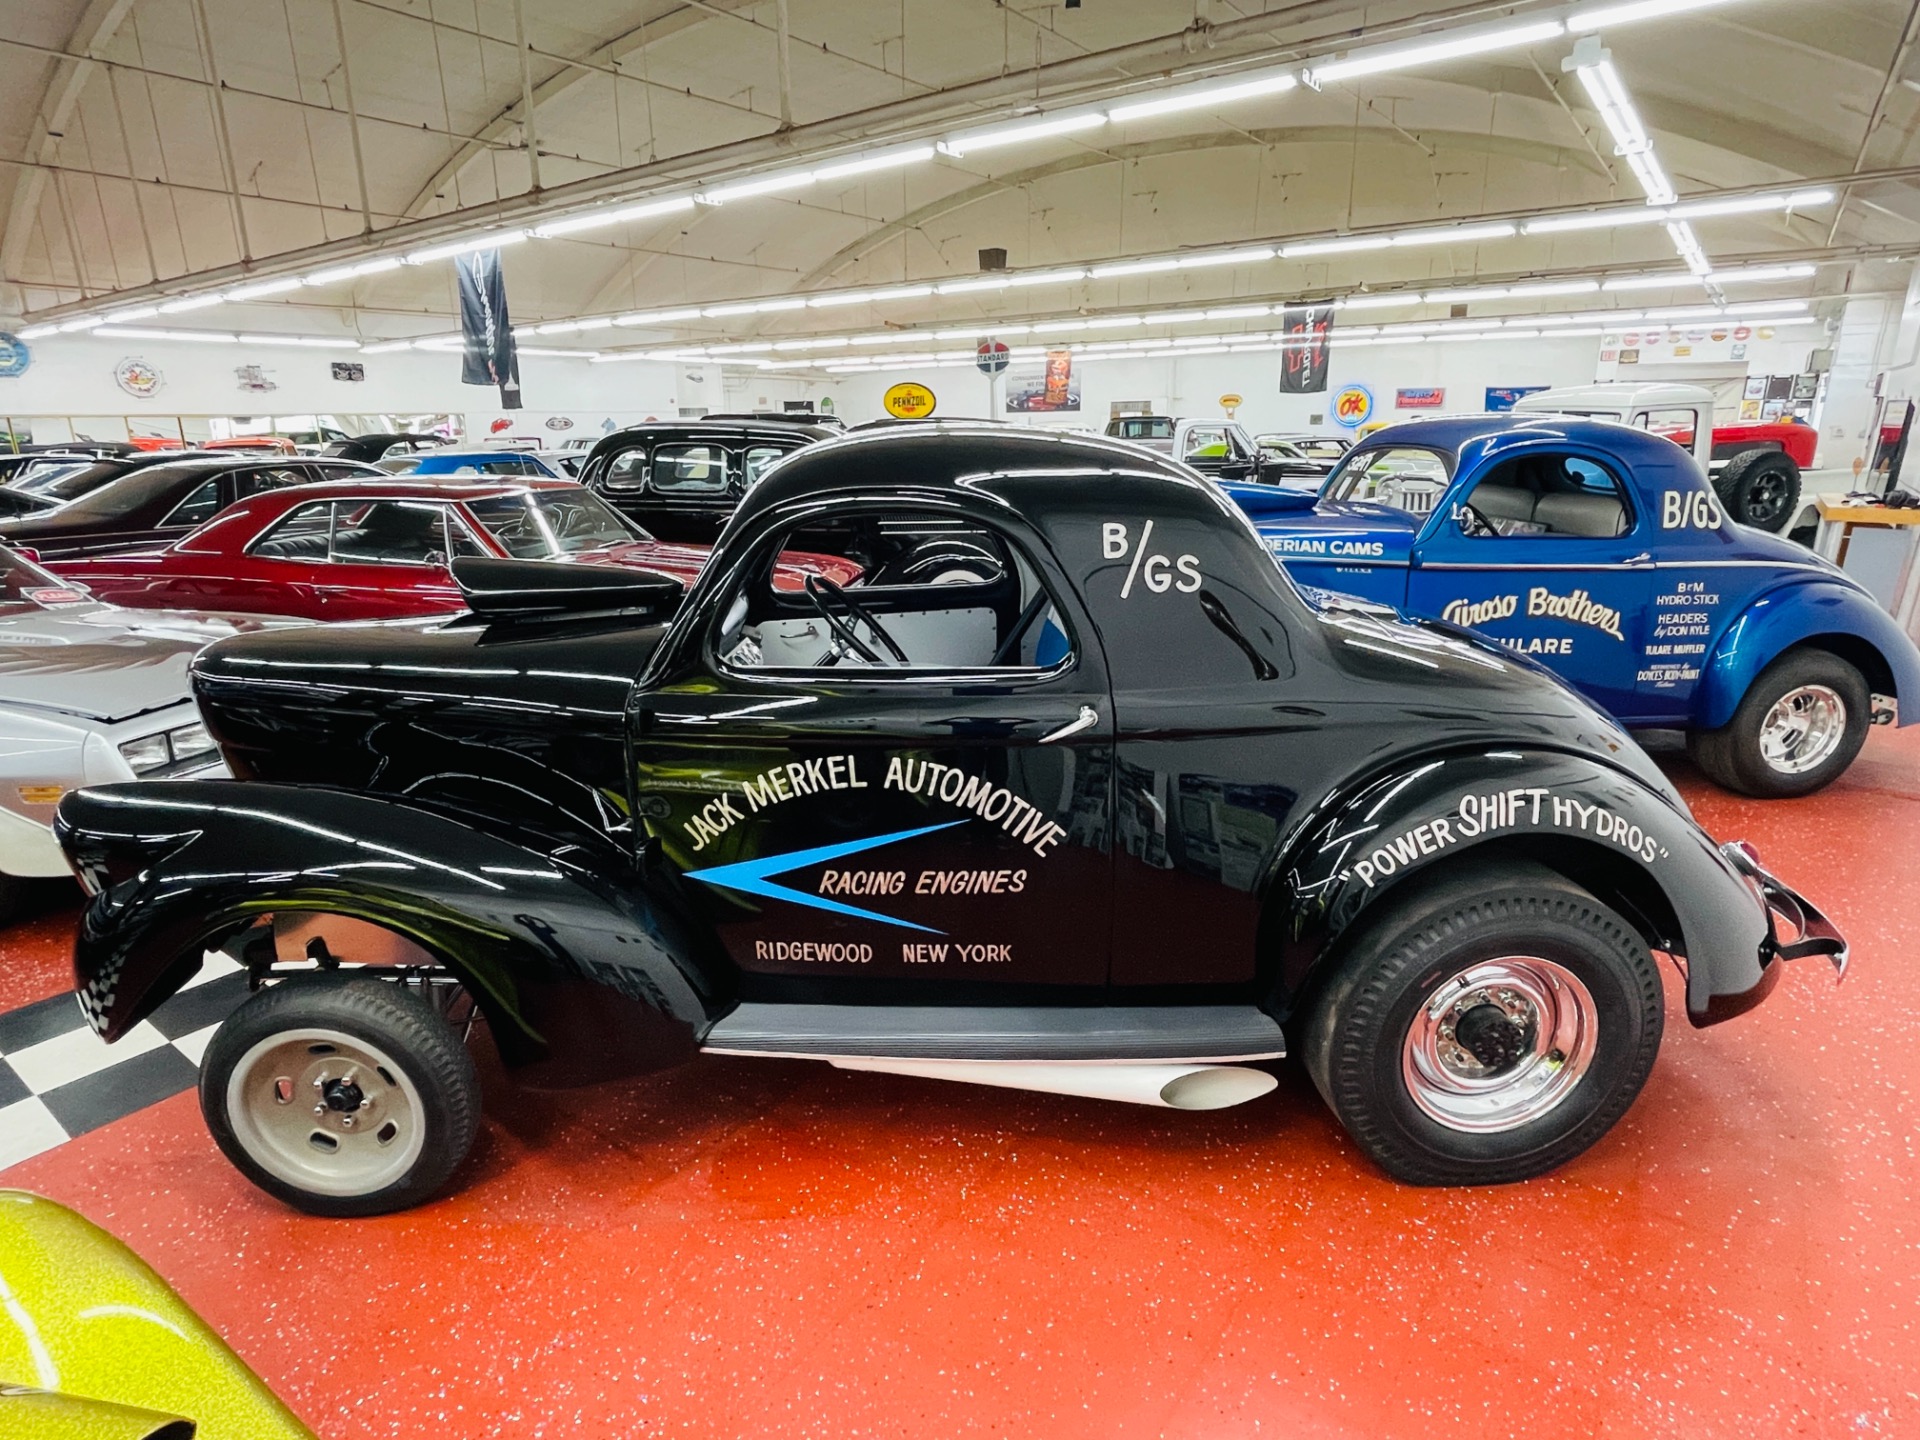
758,1247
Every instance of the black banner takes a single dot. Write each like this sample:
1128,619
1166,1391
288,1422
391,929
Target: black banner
1305,329
490,357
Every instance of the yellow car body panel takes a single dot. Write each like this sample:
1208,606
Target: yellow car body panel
84,1317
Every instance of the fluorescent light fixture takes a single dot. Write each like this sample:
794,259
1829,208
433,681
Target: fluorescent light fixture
598,322
1692,210
1250,256
134,312
1373,61
1378,302
85,322
744,347
552,327
34,332
559,354
313,342
1553,287
1132,267
1713,312
880,160
1050,277
898,292
191,302
265,287
493,239
1598,17
843,297
1115,322
204,337
1665,280
1595,220
386,347
1688,244
1746,205
620,215
832,342
1335,247
658,317
351,272
967,287
765,185
1754,274
1653,180
1455,234
1200,97
994,137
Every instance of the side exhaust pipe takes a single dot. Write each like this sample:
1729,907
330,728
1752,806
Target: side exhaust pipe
1170,1087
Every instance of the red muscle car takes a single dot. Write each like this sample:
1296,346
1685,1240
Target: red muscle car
381,550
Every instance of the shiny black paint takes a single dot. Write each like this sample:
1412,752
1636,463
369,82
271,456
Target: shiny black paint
1253,746
695,518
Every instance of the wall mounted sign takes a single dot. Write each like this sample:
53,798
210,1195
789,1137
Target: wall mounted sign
991,356
1428,399
15,356
349,370
254,378
1504,397
908,401
1352,406
1231,402
1045,389
138,378
1303,363
559,422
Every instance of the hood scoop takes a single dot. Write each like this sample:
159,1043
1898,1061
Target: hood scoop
539,589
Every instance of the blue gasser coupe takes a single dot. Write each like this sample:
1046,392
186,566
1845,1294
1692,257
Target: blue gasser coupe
1601,550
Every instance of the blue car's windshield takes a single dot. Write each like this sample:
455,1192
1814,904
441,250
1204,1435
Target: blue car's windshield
1407,477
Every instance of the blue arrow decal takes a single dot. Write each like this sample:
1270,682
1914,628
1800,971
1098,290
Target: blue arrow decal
751,877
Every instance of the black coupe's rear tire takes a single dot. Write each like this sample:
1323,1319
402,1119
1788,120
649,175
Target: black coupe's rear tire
1760,488
341,1095
1487,1030
1799,726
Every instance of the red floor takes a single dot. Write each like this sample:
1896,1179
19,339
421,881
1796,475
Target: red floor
757,1248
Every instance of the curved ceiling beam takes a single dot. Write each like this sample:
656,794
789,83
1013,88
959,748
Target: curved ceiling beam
67,79
687,17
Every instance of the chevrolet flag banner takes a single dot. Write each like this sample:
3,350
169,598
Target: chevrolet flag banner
491,358
1305,330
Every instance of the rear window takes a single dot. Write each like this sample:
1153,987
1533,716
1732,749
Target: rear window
1146,427
681,469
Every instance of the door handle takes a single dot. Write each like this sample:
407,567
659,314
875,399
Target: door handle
1087,719
1645,557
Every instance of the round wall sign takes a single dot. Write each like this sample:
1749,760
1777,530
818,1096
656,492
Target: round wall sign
1352,406
15,356
908,401
991,356
137,377
559,422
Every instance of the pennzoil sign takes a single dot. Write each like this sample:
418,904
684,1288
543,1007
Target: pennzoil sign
908,401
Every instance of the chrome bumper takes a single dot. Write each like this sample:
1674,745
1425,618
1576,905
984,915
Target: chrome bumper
1808,932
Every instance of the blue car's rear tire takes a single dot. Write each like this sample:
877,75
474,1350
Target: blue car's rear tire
1799,726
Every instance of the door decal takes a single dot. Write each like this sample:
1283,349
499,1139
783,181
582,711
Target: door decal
751,877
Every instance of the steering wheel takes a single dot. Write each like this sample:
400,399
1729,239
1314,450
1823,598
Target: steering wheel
1479,526
826,595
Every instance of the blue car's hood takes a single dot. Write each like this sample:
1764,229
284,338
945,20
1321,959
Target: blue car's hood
1339,530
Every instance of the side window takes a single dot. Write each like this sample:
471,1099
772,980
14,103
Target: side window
304,533
252,482
389,532
1549,495
1403,477
458,542
199,507
689,469
628,470
1205,442
949,596
758,458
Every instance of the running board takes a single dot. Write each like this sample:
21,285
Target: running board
1140,1033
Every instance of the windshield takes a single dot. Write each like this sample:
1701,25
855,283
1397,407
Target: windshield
1401,476
123,491
1328,449
544,523
25,586
72,484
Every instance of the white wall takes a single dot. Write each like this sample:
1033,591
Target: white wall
73,376
1193,386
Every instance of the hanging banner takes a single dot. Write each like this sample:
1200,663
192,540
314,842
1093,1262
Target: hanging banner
490,357
1305,330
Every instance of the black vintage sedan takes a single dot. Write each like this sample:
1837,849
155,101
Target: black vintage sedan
683,479
381,446
115,504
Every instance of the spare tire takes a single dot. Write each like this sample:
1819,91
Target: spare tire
1760,488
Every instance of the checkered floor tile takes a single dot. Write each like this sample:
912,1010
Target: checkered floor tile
58,1079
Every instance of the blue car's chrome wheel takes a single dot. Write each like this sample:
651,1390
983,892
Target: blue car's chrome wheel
1803,729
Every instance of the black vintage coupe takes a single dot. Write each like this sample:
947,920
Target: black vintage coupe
683,479
1125,814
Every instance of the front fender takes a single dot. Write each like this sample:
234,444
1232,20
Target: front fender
1605,829
1795,613
174,868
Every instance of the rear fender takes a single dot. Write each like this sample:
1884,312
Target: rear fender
1828,614
175,868
1610,832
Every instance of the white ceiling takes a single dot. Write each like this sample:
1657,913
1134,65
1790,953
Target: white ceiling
1750,93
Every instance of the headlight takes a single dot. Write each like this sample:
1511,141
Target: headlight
190,740
147,753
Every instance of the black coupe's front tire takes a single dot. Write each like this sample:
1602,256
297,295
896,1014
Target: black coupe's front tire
341,1095
1487,1030
1799,726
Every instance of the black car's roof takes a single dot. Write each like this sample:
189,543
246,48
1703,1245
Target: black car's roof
737,431
131,489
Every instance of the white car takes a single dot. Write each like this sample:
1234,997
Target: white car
89,693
